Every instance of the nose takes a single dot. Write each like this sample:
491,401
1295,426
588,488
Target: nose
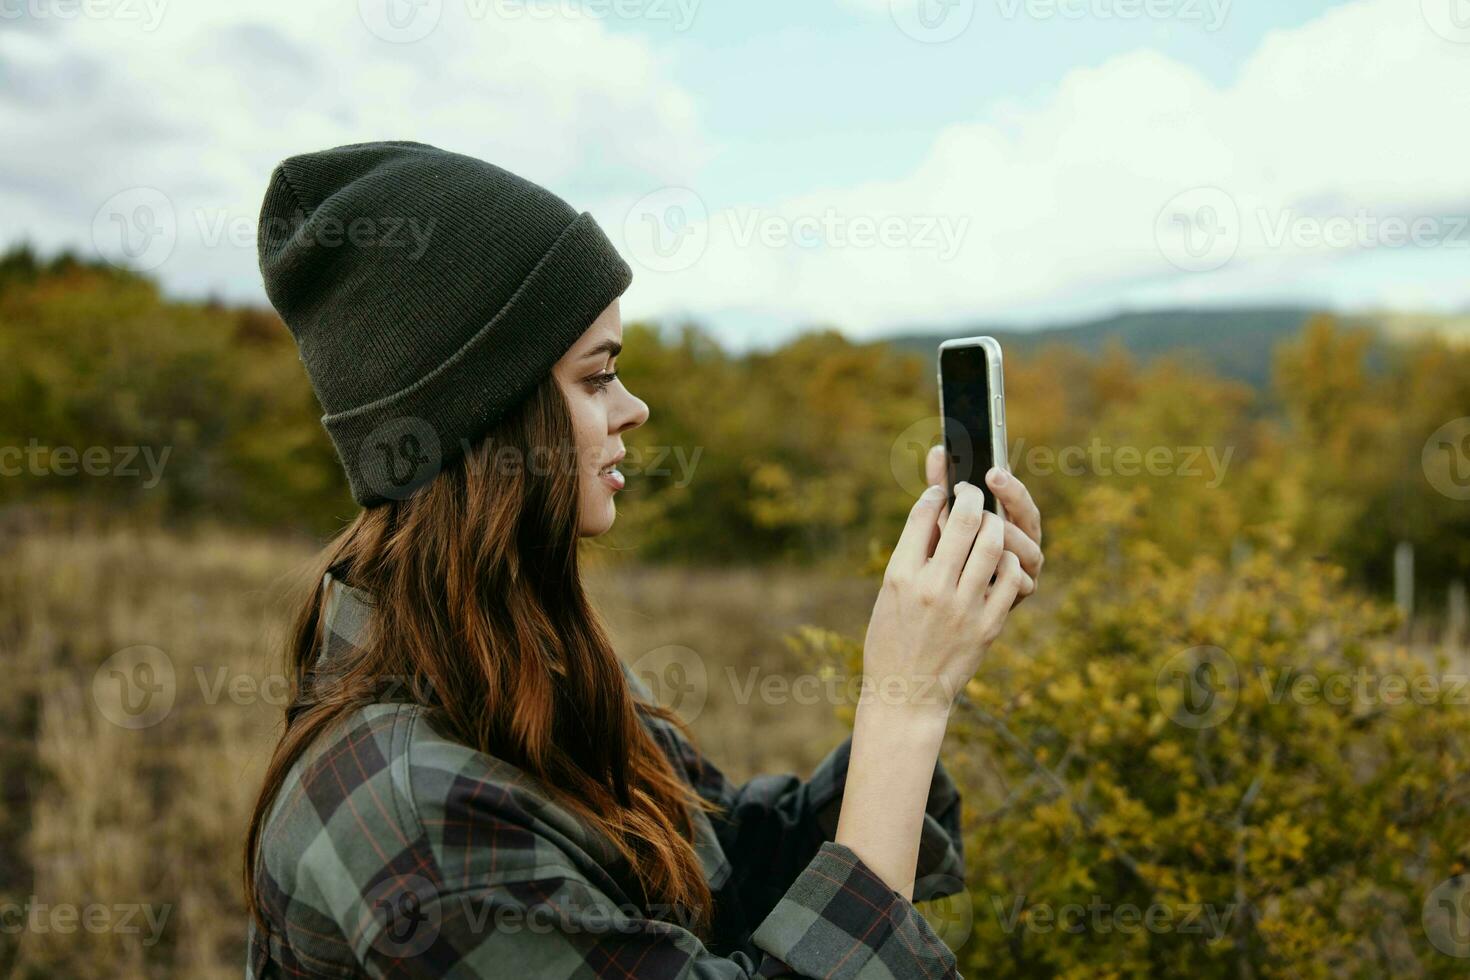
633,413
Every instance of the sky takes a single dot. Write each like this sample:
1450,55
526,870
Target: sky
769,166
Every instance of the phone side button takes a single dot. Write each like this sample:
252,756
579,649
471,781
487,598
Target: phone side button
999,413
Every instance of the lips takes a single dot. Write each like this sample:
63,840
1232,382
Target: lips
610,474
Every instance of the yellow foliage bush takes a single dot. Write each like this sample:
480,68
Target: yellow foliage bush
1206,769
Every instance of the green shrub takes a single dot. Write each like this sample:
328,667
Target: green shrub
1205,770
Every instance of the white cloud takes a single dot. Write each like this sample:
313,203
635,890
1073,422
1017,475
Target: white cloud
202,100
1333,128
1056,201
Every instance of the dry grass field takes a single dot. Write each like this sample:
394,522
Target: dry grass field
141,698
120,845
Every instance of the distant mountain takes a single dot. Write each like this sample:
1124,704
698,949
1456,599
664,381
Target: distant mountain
1233,343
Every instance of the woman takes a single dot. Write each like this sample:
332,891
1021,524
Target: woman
469,784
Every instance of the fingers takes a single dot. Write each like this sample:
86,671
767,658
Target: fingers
912,549
1020,508
936,467
984,558
1028,551
936,473
1025,589
1010,584
953,551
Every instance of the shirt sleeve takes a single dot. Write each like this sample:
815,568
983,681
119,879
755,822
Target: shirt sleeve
782,815
838,920
772,827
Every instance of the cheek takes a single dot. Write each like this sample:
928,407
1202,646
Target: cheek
590,425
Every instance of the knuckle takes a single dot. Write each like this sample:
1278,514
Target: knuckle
923,503
965,520
928,594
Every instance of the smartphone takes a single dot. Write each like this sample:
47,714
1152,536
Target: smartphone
972,403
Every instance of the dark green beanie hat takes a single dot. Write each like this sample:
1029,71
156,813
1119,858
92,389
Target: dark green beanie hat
428,293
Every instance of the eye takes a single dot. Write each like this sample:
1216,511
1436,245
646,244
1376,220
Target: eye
600,381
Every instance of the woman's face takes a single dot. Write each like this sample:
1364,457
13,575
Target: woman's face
602,410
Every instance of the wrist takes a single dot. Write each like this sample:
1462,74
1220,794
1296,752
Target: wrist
920,725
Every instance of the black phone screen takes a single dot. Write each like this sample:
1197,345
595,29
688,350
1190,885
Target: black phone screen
964,377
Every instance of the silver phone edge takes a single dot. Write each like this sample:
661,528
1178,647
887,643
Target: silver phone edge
995,376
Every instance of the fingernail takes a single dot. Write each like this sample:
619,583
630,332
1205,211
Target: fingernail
934,492
998,477
960,485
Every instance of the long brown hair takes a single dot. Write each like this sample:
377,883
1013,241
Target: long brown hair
480,615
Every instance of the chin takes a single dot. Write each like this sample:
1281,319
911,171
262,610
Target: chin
592,526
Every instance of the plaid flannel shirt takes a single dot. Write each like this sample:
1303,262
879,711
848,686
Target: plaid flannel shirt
392,851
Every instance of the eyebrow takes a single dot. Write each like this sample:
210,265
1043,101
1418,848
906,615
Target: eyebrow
610,348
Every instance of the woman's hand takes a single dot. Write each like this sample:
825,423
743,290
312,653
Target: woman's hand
946,594
948,588
1023,519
